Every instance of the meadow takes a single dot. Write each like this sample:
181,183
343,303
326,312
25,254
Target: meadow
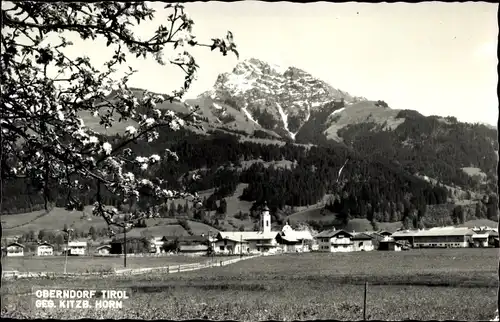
452,284
90,264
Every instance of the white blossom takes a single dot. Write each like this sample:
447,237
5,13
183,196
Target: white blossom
154,158
149,121
107,147
174,125
129,176
60,115
183,37
66,145
127,151
168,193
130,129
157,112
141,159
181,58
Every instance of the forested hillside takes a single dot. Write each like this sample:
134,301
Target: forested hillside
431,146
370,186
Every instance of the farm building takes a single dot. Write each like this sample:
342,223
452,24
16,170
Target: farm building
390,244
103,250
436,237
188,240
156,244
229,243
135,245
484,238
335,241
193,250
362,242
383,233
247,242
294,240
173,243
44,249
14,250
76,248
378,236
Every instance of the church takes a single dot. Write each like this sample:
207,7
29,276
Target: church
264,241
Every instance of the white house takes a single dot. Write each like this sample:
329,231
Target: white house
484,237
157,245
388,243
193,250
335,241
44,249
362,242
103,250
15,250
248,242
76,248
295,240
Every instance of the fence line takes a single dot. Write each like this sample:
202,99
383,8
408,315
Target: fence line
129,271
180,268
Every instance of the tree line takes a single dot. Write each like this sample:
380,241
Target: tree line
369,187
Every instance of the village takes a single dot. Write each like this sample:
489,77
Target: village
267,241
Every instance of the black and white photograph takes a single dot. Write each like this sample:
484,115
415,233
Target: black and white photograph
249,160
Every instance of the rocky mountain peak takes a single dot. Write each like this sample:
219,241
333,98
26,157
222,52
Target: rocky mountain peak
278,98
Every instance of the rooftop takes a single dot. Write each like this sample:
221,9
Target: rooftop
247,235
437,231
332,233
15,244
294,235
44,244
192,248
361,236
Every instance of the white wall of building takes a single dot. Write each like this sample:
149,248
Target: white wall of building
363,245
15,251
45,250
77,248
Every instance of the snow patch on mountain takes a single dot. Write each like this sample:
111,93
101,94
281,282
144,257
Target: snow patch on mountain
244,109
240,83
284,118
274,88
278,69
217,106
308,115
337,111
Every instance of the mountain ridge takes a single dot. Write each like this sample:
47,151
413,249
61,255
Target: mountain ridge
295,118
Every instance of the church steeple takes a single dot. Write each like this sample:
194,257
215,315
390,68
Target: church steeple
265,219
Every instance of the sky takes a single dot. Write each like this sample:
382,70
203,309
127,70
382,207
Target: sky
436,58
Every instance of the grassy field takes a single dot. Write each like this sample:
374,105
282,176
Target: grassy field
89,263
479,223
453,284
22,223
